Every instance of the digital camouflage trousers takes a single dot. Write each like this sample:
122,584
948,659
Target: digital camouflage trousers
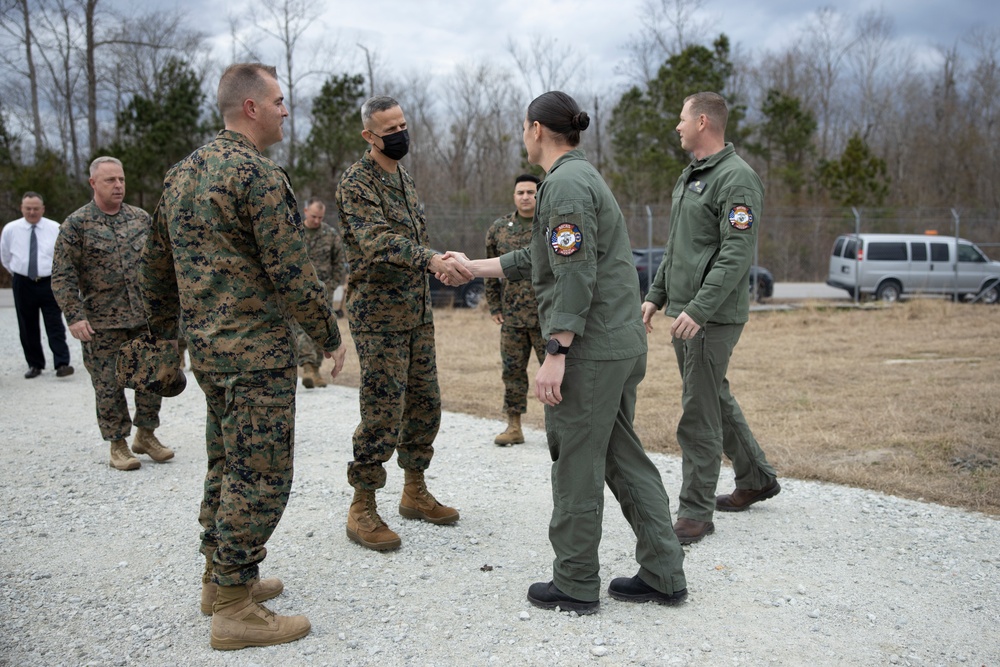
249,438
400,403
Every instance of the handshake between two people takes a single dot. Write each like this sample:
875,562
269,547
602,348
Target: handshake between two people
452,268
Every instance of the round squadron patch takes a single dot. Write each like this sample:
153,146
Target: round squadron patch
741,217
566,239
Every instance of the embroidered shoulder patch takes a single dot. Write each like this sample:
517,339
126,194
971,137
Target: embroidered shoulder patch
741,217
566,239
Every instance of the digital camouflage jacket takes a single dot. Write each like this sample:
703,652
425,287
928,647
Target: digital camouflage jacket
226,250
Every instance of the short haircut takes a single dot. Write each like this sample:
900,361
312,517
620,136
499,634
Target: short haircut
104,159
713,105
527,178
30,194
375,104
561,114
315,200
240,82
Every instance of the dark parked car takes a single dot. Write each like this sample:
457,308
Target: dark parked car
647,261
468,295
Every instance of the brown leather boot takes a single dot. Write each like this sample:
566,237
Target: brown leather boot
147,443
366,527
311,377
689,531
261,589
121,457
418,503
238,621
513,434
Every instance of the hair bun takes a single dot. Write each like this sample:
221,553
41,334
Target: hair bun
581,121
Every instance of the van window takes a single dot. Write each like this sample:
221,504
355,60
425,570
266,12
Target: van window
850,252
894,252
918,252
838,247
968,253
939,252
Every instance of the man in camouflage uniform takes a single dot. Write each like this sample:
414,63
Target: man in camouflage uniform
389,312
94,281
326,251
226,252
514,308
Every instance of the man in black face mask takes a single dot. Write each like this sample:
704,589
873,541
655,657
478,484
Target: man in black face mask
389,313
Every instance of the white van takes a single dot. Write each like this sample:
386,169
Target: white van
888,265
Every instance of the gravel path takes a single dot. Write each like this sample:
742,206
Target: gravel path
100,567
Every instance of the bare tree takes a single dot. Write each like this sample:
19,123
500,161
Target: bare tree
58,49
873,61
826,45
287,22
668,27
544,64
15,19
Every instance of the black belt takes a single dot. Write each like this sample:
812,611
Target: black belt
33,280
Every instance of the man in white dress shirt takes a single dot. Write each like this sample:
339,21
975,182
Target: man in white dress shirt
26,247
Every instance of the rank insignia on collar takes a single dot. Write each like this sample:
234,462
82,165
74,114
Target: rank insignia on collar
741,217
566,239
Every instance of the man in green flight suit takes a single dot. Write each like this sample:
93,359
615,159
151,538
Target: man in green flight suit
702,280
226,251
514,308
389,312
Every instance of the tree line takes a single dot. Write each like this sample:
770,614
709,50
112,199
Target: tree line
846,118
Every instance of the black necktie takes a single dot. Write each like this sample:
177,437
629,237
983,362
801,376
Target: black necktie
33,255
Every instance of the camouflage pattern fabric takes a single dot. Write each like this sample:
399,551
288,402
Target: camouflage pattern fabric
389,312
326,250
515,300
94,279
100,356
147,364
385,238
226,249
400,404
516,344
94,266
249,438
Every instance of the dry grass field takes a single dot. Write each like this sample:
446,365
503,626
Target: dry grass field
903,400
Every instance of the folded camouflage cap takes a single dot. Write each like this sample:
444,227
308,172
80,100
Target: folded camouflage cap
147,364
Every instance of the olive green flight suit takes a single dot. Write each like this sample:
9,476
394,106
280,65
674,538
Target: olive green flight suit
580,264
716,209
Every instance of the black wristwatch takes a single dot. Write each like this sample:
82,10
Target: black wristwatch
553,347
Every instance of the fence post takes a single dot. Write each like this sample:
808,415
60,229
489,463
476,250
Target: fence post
954,214
857,249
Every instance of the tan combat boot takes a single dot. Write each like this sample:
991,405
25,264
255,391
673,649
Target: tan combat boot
418,503
366,527
121,457
261,589
238,621
147,443
513,434
317,377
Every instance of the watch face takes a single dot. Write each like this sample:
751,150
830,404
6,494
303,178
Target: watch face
552,346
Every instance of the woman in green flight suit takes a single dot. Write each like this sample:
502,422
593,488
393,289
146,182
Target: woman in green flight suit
581,268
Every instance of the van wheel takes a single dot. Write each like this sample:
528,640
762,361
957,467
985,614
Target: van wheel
990,295
889,291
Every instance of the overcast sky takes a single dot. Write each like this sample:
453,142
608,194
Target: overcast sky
433,36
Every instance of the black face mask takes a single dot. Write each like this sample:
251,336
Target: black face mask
397,144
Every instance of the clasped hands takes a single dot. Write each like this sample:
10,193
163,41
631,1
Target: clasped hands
452,268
